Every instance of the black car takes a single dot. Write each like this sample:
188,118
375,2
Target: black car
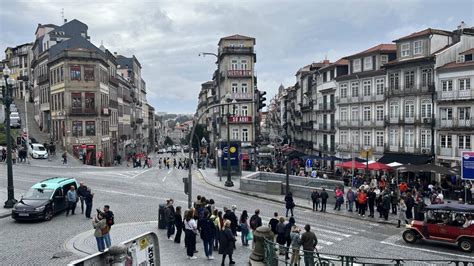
43,199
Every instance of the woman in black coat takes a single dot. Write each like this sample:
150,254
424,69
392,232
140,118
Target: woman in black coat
289,203
178,222
227,243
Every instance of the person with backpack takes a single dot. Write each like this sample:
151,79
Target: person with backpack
99,224
207,231
109,218
324,200
216,219
315,198
255,222
273,223
289,203
295,245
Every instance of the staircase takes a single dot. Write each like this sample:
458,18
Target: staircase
33,128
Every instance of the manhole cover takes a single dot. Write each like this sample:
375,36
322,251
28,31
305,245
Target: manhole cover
61,254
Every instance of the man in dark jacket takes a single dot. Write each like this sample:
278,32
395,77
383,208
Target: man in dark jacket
88,200
386,201
315,198
255,220
81,192
169,218
324,200
371,199
410,202
230,215
207,231
273,223
308,241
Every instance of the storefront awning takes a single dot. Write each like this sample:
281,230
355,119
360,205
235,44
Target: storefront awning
404,158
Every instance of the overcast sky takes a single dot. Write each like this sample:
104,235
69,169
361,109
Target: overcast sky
167,36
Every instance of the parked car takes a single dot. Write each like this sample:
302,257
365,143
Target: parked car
38,151
44,199
449,223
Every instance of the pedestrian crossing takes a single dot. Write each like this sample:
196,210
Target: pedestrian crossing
127,174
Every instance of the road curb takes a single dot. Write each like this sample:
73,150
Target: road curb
5,215
282,202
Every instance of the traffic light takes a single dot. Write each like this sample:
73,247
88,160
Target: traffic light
261,99
18,140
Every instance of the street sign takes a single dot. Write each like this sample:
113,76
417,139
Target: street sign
467,165
309,163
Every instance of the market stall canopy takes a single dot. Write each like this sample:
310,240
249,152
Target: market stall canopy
378,166
394,164
405,158
431,168
349,164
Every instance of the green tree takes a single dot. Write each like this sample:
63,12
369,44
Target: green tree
168,141
199,133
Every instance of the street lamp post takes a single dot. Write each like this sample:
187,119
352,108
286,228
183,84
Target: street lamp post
228,182
7,86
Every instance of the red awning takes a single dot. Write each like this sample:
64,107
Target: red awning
349,164
377,166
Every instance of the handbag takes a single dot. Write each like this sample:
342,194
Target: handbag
250,235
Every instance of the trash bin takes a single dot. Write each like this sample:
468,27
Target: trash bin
161,216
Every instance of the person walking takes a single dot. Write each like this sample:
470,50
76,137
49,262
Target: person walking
371,196
324,200
71,200
81,192
309,242
190,232
207,231
230,215
386,201
289,203
281,235
295,245
402,216
339,198
227,243
244,228
178,223
362,198
288,227
99,225
350,199
216,219
273,223
410,203
88,197
169,219
315,199
110,220
65,158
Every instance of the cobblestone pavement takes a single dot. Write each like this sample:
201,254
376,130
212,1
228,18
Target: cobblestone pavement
134,195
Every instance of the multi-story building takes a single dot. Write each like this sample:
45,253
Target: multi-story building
360,100
454,122
410,95
151,129
324,123
237,81
19,60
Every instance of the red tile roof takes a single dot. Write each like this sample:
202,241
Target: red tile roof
384,47
470,51
424,32
456,65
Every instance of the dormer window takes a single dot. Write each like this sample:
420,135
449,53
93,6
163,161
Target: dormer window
384,59
356,65
417,47
367,63
405,50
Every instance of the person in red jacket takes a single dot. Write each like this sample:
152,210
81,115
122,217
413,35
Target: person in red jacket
362,199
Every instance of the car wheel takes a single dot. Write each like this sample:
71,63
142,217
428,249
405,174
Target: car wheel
466,244
48,215
409,236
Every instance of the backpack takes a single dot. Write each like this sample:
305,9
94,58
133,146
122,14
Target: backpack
111,221
253,222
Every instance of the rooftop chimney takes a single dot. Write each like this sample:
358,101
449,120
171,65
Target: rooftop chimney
326,62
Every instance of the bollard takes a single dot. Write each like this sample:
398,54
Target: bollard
259,236
117,255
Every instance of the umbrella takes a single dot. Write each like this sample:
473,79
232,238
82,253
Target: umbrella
349,164
376,166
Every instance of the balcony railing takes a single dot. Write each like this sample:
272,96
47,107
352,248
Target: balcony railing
42,79
455,95
239,73
403,91
113,80
82,111
139,120
461,124
237,50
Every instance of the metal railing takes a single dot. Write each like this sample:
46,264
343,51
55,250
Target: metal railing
272,249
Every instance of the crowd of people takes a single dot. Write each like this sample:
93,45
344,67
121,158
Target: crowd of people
218,230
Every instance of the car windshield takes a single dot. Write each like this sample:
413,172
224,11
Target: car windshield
38,148
38,194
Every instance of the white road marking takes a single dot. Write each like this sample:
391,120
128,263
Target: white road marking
423,249
142,172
